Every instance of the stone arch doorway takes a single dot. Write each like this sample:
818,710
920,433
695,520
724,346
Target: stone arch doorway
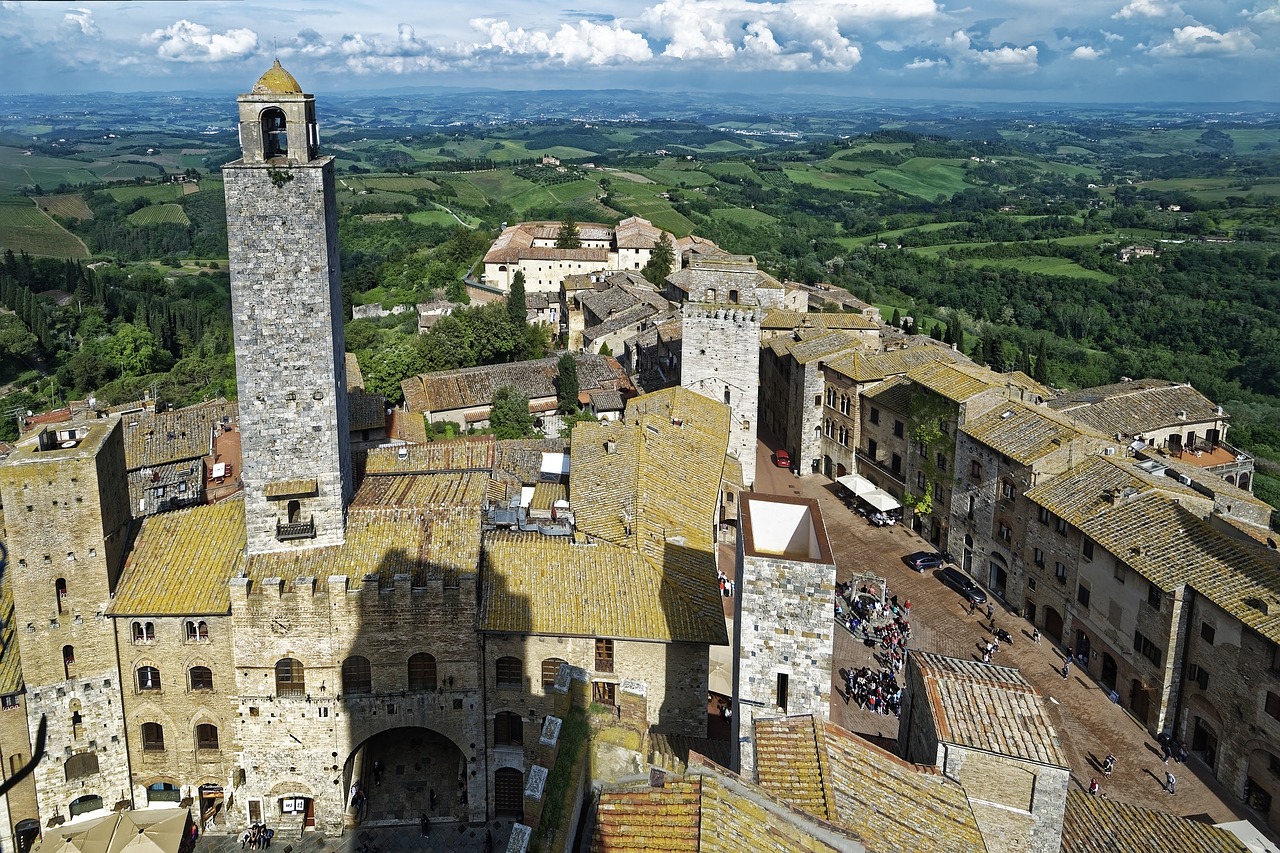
1053,624
392,776
1109,672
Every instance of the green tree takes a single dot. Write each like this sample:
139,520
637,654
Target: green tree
15,338
567,237
661,260
135,351
1041,374
896,320
389,367
567,386
517,305
509,415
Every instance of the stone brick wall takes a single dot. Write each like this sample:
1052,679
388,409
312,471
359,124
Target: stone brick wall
721,354
1018,802
286,289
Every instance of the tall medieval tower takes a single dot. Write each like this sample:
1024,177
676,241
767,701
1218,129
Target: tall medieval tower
286,293
66,506
727,296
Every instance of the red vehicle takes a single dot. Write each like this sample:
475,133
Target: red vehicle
782,459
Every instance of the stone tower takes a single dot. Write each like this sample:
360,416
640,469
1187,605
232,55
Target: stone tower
286,297
783,636
66,505
726,297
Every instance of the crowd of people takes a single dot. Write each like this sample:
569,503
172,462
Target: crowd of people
256,837
878,692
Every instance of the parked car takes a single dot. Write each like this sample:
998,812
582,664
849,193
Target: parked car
963,584
782,459
922,560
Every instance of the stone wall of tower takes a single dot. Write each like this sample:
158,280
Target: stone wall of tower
66,513
290,363
784,625
721,361
301,745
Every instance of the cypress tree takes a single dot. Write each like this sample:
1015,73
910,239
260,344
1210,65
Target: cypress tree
1041,374
517,305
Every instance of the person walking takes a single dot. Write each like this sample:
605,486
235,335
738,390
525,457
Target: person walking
1108,764
1094,787
1035,636
1066,668
991,611
1170,782
973,606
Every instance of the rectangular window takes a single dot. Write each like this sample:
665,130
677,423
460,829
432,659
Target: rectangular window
1044,515
1198,675
872,447
875,415
604,692
1031,584
604,655
9,702
1060,572
1060,525
920,480
1086,548
937,491
1039,558
895,464
1005,532
1154,595
1006,490
975,470
1082,595
1273,705
782,691
942,462
899,429
1146,648
1207,632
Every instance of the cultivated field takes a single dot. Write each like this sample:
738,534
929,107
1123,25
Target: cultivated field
26,228
67,205
159,214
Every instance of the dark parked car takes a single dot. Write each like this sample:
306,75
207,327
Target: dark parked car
922,560
964,584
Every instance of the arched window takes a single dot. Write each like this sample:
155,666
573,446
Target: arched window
206,736
290,678
295,512
81,765
275,138
60,591
422,672
356,675
197,631
144,632
163,792
84,805
510,672
152,737
201,678
148,678
508,729
550,670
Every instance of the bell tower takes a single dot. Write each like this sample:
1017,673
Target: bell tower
286,299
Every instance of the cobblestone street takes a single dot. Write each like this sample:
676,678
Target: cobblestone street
1088,723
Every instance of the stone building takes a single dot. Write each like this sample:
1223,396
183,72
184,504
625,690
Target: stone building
723,301
987,728
168,453
286,287
783,630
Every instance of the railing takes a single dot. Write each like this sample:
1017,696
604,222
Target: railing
286,531
898,476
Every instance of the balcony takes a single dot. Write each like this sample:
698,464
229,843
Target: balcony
898,477
288,531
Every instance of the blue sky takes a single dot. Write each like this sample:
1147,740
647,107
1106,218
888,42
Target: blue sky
1004,50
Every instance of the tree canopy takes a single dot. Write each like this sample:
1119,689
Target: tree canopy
567,237
509,415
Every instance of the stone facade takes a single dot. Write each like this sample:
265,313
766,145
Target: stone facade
66,512
784,630
287,289
721,361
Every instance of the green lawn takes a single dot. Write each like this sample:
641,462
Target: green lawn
925,177
1042,265
154,193
831,180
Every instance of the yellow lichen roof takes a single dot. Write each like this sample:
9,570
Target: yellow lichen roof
817,344
893,394
1021,432
554,586
1138,406
276,81
987,707
643,819
546,494
872,367
355,378
1101,825
1088,488
10,658
181,562
779,318
421,491
954,380
652,482
790,763
427,545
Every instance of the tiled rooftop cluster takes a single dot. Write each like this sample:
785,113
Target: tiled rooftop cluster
1141,404
1104,825
152,438
476,386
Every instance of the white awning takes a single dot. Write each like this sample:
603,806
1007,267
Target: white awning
866,490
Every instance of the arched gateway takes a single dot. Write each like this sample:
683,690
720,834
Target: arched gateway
391,778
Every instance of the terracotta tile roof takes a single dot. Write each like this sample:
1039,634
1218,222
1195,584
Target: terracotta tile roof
1023,433
636,233
1101,825
366,411
778,318
890,803
463,454
407,426
446,390
987,707
873,367
1138,406
546,494
723,273
955,380
425,491
893,394
658,489
175,435
642,819
203,547
817,344
600,590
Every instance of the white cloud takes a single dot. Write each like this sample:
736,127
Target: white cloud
1007,58
1204,41
81,20
1087,53
924,63
585,44
185,41
1148,9
1265,14
1111,36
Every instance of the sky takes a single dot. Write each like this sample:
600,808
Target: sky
1070,51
